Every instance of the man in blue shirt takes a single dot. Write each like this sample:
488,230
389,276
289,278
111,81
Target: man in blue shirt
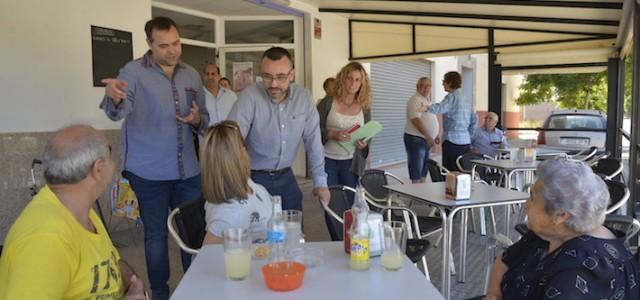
219,99
487,138
161,100
274,117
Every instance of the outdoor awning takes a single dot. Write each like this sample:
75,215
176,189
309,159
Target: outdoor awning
528,36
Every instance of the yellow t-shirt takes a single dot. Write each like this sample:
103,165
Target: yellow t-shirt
49,255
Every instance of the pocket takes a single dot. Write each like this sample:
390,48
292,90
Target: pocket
190,94
298,118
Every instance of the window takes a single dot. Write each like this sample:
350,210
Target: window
576,122
197,56
259,32
191,27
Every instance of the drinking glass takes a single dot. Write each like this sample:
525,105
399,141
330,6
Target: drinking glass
237,253
394,244
293,221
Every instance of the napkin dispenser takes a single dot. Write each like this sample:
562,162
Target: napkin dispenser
458,186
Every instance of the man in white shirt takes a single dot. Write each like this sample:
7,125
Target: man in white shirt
421,131
219,100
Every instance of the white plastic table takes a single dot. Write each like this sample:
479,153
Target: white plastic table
333,279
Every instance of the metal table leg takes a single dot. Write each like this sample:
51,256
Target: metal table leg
463,245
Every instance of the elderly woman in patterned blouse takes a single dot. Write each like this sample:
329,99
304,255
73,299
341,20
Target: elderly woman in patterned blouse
568,253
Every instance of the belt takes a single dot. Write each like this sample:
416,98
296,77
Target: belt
273,172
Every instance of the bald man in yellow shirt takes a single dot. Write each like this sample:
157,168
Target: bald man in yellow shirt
58,248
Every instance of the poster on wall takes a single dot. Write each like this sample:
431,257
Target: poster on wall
317,28
242,75
111,49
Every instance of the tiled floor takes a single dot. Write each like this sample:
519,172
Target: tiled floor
130,244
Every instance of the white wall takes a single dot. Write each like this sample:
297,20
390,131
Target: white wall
330,53
512,83
441,66
47,80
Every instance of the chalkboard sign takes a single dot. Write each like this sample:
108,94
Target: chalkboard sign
111,49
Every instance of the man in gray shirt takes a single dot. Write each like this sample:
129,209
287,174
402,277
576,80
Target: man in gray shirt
161,100
273,117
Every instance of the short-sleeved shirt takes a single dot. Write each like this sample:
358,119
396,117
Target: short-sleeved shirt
584,267
49,255
428,119
251,213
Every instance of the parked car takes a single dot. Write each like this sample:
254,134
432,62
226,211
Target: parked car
584,128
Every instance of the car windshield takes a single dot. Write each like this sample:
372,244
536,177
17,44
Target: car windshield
575,122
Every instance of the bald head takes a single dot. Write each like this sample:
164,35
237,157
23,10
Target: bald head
71,152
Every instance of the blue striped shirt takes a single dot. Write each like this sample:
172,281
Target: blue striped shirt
153,144
459,118
273,130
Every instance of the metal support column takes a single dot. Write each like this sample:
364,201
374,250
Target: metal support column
615,105
634,168
495,79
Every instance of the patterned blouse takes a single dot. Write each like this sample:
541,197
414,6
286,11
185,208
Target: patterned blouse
584,267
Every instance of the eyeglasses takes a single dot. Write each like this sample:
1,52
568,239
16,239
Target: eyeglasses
281,78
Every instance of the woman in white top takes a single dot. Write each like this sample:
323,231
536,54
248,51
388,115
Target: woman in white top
233,199
349,106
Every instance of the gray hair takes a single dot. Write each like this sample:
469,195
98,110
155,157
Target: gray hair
571,186
493,115
69,161
421,79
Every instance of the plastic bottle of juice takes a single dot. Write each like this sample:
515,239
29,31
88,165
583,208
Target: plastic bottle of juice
359,232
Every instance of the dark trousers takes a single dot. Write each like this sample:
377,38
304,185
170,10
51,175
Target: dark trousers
156,197
339,172
450,153
283,185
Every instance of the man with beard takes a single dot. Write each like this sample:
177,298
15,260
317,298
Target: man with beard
161,100
273,117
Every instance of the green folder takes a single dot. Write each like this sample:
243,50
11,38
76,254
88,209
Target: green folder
363,133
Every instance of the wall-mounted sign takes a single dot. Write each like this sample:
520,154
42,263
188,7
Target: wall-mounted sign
317,28
111,49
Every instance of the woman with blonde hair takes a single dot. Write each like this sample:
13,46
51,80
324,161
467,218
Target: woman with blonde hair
233,200
348,106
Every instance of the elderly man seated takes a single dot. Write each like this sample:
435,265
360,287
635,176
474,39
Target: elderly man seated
487,138
568,253
58,248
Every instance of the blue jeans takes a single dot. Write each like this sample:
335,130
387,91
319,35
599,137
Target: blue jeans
417,155
156,197
283,185
339,172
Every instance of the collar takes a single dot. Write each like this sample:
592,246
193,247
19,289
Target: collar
148,62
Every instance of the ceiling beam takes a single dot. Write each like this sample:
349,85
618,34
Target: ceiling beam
473,16
543,3
486,27
558,66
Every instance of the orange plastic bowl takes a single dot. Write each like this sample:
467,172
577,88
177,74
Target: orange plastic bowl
284,275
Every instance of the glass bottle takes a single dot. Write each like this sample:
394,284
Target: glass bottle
359,233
